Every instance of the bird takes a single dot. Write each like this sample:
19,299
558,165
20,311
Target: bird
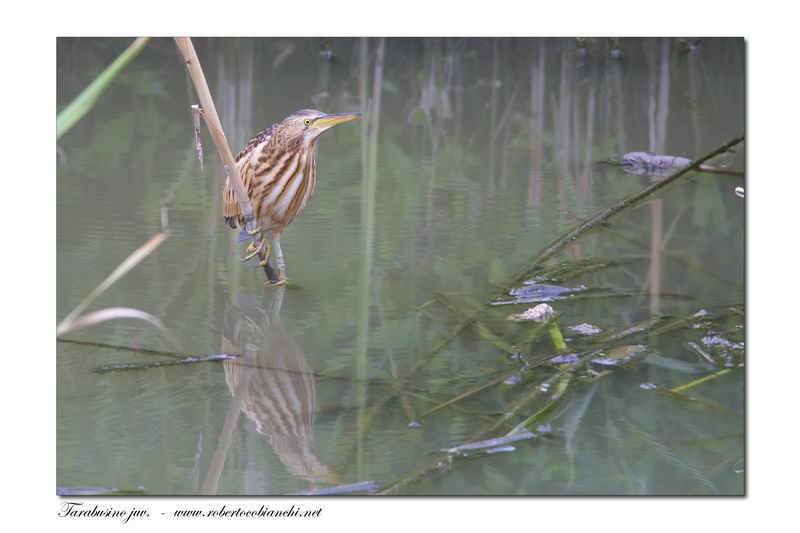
278,388
279,170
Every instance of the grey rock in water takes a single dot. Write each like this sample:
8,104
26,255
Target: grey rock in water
584,329
541,292
540,313
650,162
570,358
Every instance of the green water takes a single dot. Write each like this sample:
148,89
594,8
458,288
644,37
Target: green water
484,151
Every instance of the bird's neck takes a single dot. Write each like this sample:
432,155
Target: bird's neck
310,144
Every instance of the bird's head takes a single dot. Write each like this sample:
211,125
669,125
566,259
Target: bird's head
308,124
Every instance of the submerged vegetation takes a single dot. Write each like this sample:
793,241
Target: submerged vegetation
412,357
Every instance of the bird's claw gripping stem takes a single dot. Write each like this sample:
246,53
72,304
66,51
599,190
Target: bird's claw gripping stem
253,250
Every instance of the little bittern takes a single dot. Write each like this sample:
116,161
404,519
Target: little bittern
274,382
279,171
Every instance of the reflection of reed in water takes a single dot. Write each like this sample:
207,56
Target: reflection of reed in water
537,127
280,393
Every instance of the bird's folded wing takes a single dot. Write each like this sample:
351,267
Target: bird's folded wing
231,209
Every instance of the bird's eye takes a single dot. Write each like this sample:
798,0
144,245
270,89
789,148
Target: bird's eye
307,122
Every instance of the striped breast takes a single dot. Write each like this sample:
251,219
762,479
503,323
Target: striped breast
279,183
280,393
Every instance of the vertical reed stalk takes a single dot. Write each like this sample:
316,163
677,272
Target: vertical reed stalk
209,112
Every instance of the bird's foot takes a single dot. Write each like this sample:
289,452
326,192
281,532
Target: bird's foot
281,282
253,250
282,279
256,230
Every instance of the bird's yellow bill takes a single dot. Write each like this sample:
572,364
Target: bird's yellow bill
335,118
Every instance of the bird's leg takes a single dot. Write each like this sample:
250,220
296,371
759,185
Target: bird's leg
281,264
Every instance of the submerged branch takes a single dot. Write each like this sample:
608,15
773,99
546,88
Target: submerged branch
145,351
470,392
181,355
445,459
107,369
480,329
707,377
563,373
526,424
696,401
679,323
363,486
489,443
577,231
626,203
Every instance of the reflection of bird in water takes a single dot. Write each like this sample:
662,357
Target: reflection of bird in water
280,392
279,171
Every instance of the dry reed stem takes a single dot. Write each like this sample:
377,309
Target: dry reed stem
129,263
209,112
111,313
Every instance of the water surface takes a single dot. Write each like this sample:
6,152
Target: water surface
484,151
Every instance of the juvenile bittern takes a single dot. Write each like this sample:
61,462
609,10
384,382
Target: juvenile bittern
279,388
279,171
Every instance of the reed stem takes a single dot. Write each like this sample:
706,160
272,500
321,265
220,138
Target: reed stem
209,113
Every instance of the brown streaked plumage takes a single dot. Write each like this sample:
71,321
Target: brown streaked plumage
278,168
280,394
